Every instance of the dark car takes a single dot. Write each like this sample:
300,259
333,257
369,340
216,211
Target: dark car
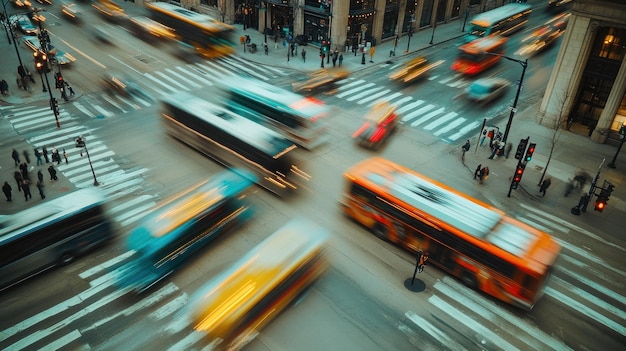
23,24
377,126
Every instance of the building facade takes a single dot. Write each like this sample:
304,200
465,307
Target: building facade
344,22
588,82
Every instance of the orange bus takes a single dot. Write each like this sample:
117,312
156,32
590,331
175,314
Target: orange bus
471,240
478,55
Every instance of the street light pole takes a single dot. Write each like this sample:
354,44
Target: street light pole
622,138
432,37
81,143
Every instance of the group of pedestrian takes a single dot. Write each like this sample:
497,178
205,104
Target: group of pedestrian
22,174
482,173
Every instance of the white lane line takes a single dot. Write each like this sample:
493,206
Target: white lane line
409,116
441,120
390,98
353,90
427,117
63,341
450,126
364,93
373,96
409,106
463,131
433,331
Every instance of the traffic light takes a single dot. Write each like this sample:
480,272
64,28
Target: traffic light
600,204
521,148
58,80
517,177
529,152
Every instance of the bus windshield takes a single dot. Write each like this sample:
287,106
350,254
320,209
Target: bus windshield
51,233
184,224
461,234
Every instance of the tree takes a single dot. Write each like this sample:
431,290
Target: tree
555,130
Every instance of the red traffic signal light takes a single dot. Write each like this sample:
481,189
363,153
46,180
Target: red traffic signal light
599,205
517,177
530,151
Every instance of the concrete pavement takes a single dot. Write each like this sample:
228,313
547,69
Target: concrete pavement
572,152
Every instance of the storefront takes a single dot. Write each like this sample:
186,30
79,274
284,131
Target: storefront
317,21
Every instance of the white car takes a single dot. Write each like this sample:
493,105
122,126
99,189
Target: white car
63,58
487,89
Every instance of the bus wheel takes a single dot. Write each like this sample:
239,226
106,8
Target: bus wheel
469,280
66,258
380,231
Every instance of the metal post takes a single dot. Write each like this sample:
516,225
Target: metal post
265,21
82,143
42,83
519,88
622,136
432,37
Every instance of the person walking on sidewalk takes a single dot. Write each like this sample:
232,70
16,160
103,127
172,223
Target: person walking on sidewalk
303,53
44,151
465,148
340,59
16,157
40,175
65,156
6,189
544,186
41,186
26,156
53,173
484,174
477,171
18,179
26,188
38,156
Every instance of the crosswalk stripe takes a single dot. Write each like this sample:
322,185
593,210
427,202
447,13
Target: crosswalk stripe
114,103
242,68
363,93
172,306
591,284
132,104
434,331
197,74
389,99
77,130
186,342
107,264
102,111
353,90
83,109
463,131
218,71
427,117
450,126
169,88
409,106
373,96
63,341
412,114
441,120
184,75
171,80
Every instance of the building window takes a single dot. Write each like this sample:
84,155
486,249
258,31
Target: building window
427,13
610,44
390,21
456,9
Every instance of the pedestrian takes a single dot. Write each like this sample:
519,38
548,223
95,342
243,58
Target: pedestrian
490,135
372,50
495,149
65,156
335,59
44,151
483,136
303,53
26,188
477,171
26,156
484,174
6,189
18,179
16,157
41,187
340,59
24,170
422,261
38,156
40,175
4,87
544,186
55,155
53,173
507,150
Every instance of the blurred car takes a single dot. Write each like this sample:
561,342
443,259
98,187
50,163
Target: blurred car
63,58
486,89
148,28
320,78
541,39
377,126
24,24
414,69
45,2
110,10
114,83
72,12
21,3
102,34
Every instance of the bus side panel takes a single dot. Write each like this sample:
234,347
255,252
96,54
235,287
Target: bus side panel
86,240
221,154
27,267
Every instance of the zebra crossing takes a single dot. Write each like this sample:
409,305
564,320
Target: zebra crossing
579,283
115,181
163,82
438,120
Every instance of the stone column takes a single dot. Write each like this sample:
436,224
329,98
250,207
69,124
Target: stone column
339,27
379,18
601,132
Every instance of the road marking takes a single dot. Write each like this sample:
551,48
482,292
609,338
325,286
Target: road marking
354,90
441,120
373,96
450,126
433,331
125,64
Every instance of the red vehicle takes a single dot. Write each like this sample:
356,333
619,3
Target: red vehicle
378,124
478,55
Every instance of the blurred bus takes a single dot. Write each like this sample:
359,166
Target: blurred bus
234,141
502,20
52,233
235,305
183,225
301,119
479,55
471,240
210,37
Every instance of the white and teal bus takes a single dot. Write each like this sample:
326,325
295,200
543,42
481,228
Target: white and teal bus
183,225
50,234
503,20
